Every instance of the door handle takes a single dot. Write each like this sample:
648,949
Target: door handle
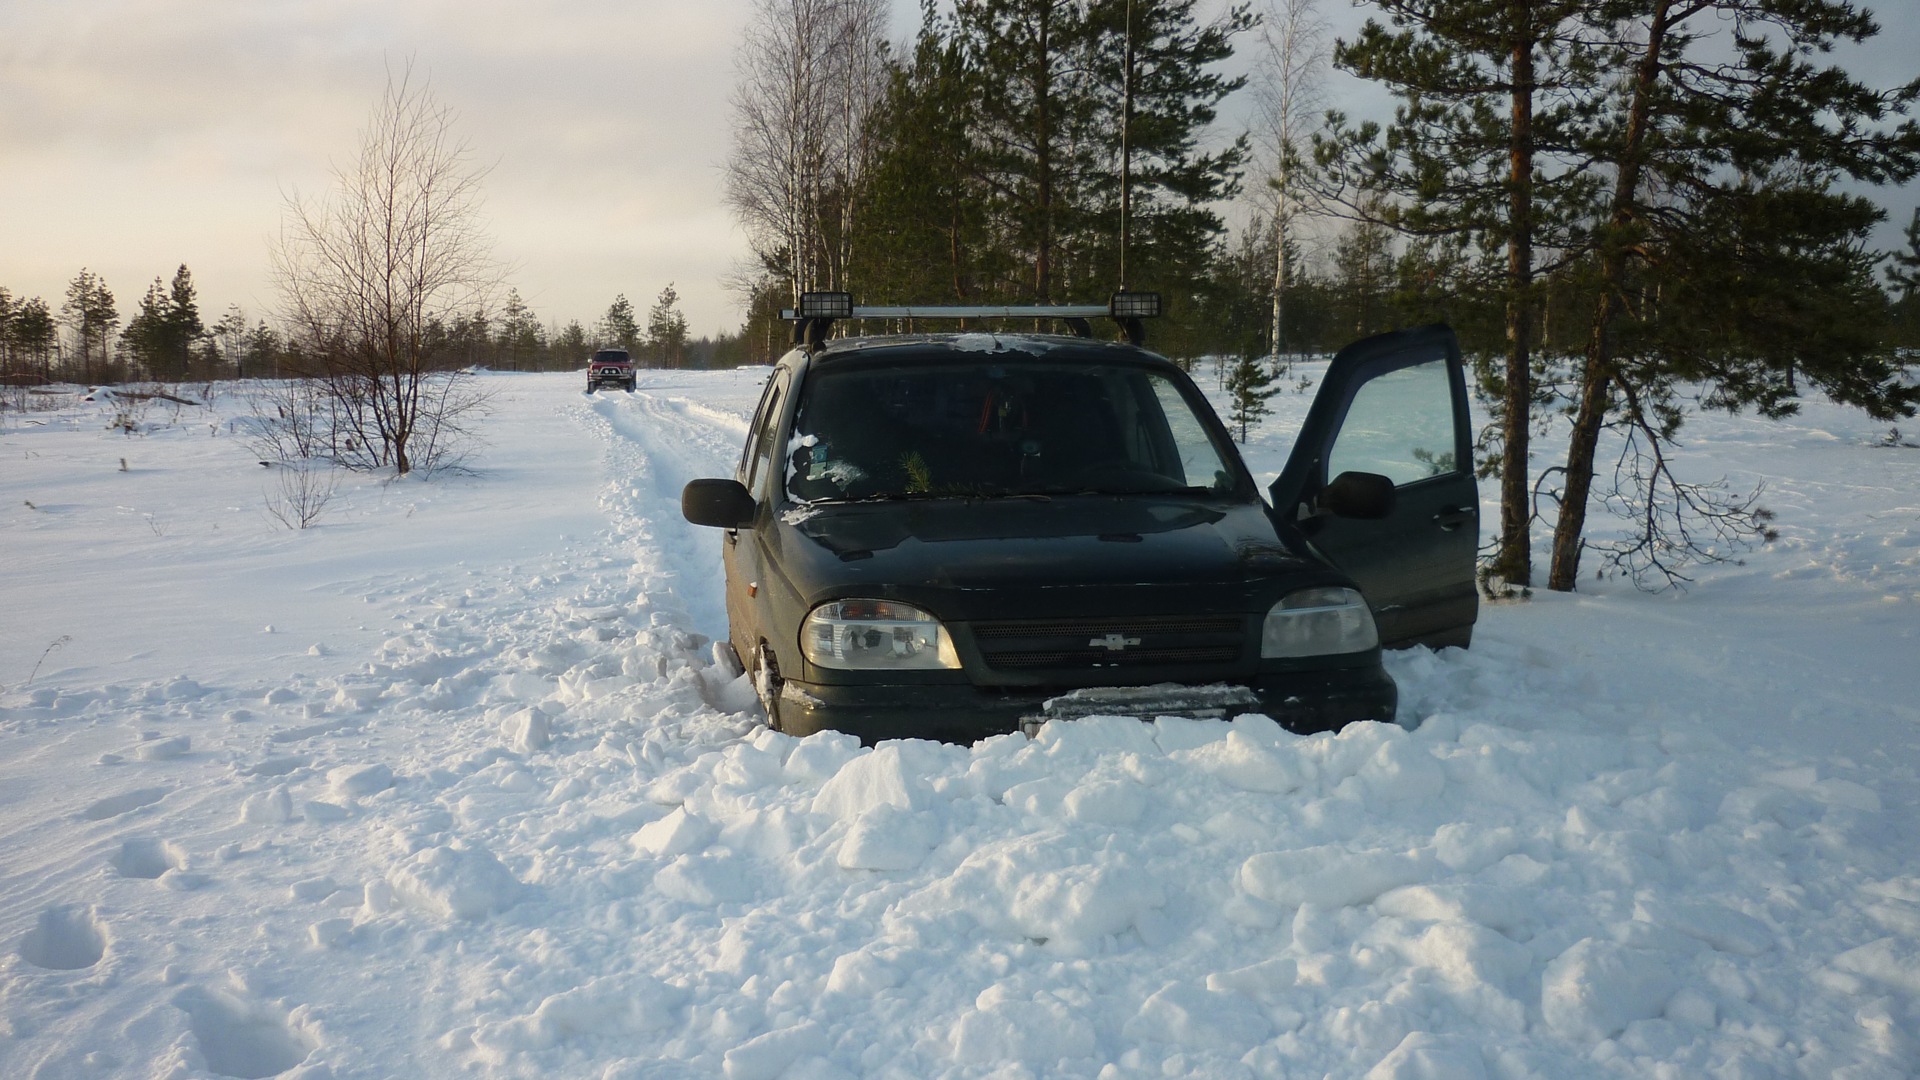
1452,517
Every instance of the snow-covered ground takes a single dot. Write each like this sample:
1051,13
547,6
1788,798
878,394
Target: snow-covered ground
447,785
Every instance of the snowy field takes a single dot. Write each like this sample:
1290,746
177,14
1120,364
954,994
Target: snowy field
448,786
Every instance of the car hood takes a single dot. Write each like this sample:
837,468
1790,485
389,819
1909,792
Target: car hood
989,547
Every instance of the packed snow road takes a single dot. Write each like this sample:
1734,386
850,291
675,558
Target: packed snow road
494,811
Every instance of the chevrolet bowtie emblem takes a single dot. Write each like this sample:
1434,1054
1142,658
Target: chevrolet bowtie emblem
1115,642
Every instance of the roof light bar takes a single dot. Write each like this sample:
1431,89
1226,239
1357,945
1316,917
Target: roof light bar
813,320
1034,311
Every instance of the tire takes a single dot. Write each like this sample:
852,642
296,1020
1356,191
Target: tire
766,683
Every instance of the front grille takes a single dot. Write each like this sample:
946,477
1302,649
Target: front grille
1116,642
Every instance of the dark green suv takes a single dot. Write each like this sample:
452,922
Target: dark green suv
953,536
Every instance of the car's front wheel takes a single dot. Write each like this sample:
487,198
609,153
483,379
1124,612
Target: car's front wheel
766,684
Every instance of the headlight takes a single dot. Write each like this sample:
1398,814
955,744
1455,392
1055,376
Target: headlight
876,635
1318,622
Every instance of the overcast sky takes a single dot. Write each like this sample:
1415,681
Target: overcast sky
136,135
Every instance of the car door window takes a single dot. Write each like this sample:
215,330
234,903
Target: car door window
1399,425
760,446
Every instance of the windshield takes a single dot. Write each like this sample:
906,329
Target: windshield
960,430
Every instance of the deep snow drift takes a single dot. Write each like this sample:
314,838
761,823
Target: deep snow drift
448,785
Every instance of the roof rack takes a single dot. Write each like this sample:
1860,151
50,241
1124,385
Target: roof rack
818,311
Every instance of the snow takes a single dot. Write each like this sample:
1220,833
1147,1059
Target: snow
451,784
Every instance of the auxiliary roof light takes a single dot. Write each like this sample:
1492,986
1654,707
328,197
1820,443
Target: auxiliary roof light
1134,305
826,305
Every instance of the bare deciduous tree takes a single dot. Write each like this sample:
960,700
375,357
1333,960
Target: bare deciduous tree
810,74
398,246
1287,84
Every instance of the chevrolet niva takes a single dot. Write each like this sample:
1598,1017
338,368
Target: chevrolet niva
959,535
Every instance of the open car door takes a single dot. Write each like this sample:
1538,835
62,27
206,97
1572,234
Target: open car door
1394,406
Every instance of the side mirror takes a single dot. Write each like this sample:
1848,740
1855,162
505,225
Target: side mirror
1358,495
722,504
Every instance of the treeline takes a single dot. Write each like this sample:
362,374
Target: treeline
1626,211
1021,152
165,338
1051,151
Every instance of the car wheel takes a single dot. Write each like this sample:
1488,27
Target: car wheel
766,683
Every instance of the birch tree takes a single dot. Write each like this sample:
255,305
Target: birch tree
809,76
368,276
1288,82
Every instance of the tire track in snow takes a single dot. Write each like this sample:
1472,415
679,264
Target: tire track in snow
655,444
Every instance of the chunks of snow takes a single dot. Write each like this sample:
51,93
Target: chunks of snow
1251,765
1006,1025
676,834
1593,990
887,838
526,730
455,883
1200,1018
1027,887
1721,927
1893,962
767,1057
1425,1056
165,749
1616,844
358,781
610,1006
894,774
1329,876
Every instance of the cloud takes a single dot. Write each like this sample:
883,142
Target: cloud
140,136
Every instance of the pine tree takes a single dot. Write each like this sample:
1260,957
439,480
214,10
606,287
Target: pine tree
7,308
1157,85
617,327
1033,118
1249,388
31,336
185,332
570,345
1904,273
1483,148
145,336
927,236
230,335
1727,255
667,329
520,338
165,334
90,313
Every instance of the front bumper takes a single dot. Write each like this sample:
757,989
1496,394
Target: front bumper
1302,702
